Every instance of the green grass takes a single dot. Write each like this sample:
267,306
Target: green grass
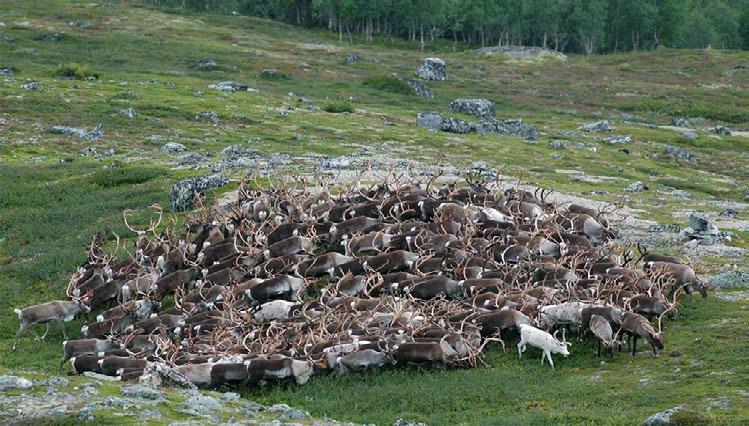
49,209
73,70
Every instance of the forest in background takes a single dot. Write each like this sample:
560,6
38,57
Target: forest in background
570,26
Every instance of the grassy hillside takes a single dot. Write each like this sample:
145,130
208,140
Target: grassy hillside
52,198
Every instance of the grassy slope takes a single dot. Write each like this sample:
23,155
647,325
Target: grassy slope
48,210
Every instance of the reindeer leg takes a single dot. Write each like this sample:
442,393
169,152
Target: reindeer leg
634,344
62,327
20,332
598,353
46,331
551,362
62,362
520,352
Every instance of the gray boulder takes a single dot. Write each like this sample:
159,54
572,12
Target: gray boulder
598,126
663,418
436,121
76,132
482,108
183,193
272,74
680,154
6,72
14,382
680,122
308,103
157,374
230,86
505,128
189,159
432,69
287,412
202,404
420,88
701,229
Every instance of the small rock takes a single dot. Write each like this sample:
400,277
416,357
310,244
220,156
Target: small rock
341,162
33,86
352,57
721,130
6,72
308,103
663,418
14,382
128,112
287,412
183,193
680,153
432,69
598,126
204,64
436,121
85,414
236,151
614,140
189,159
680,122
562,144
729,212
209,116
272,74
228,397
173,147
691,135
84,25
637,187
140,391
482,108
54,382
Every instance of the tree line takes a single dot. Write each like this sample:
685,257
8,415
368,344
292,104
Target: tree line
574,26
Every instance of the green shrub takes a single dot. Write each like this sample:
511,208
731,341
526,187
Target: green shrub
116,176
387,83
338,107
73,70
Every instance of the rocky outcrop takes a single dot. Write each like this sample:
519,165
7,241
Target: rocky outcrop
437,121
432,69
76,132
230,86
680,153
482,108
505,128
183,194
208,116
701,230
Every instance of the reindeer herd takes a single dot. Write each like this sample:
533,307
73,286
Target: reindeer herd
291,281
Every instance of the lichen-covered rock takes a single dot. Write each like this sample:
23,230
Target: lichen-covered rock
505,128
287,412
562,144
680,122
202,404
482,108
6,72
128,112
272,74
14,382
680,153
183,193
188,159
636,187
94,135
598,126
730,279
140,391
419,87
172,147
337,163
33,86
157,374
664,417
432,69
208,116
701,231
308,103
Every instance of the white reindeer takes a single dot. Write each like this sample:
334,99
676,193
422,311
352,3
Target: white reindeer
542,340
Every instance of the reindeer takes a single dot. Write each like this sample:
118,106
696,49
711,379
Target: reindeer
45,313
542,340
